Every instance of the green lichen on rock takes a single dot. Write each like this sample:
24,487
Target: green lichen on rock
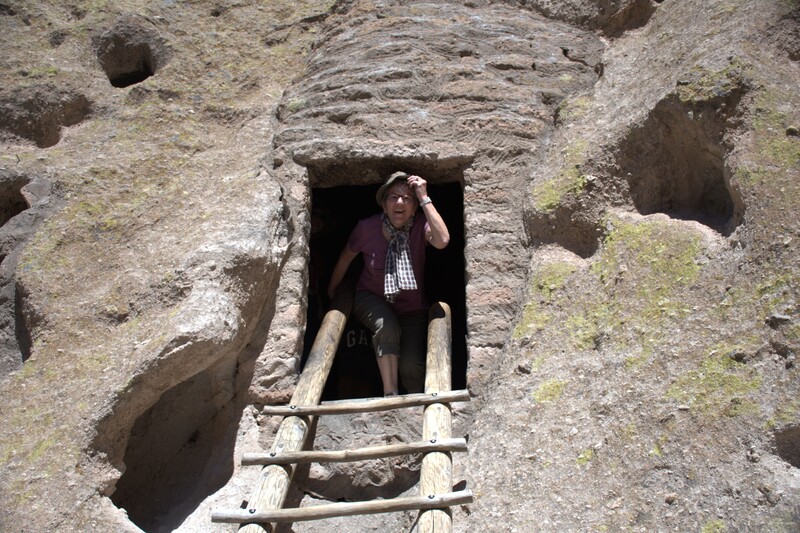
714,526
773,293
643,270
588,326
301,10
793,332
703,84
296,104
776,292
659,256
656,451
41,71
547,279
788,413
630,294
549,391
725,9
776,151
44,445
533,319
570,180
750,176
774,148
585,457
572,108
39,254
719,386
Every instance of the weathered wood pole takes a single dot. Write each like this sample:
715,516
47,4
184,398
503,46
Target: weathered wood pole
367,405
437,467
273,483
356,454
331,510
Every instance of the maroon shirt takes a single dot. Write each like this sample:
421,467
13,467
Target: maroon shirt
367,238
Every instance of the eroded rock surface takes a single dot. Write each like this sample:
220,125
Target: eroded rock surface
25,202
623,176
38,113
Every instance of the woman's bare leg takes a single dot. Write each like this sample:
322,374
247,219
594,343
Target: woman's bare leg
387,364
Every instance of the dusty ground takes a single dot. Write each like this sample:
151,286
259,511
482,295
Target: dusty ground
630,176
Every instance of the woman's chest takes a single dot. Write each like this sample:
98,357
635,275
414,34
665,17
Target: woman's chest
375,256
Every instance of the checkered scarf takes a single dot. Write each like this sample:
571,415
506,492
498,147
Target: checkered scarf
399,273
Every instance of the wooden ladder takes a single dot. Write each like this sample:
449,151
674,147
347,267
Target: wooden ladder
436,495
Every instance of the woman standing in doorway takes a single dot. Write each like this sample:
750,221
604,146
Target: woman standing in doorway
390,293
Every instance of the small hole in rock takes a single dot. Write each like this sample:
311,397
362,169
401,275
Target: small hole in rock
140,72
632,15
178,453
12,203
675,164
38,113
787,444
129,53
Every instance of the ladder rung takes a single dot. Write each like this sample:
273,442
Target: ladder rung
358,454
317,512
367,405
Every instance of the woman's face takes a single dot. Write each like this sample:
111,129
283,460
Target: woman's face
399,204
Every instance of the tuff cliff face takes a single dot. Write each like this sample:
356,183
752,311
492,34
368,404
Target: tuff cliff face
621,178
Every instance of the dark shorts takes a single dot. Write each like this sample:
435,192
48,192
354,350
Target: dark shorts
405,335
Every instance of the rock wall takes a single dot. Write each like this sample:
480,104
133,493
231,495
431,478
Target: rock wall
147,294
646,369
628,171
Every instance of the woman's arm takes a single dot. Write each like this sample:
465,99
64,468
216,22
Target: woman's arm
339,271
436,231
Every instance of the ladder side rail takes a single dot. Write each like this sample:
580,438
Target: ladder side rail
437,467
273,483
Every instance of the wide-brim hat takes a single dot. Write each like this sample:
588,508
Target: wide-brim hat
380,196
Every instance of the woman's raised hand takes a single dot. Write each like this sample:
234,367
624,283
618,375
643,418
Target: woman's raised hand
419,186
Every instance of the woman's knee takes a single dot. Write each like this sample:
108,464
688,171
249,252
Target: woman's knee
388,326
377,316
387,335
